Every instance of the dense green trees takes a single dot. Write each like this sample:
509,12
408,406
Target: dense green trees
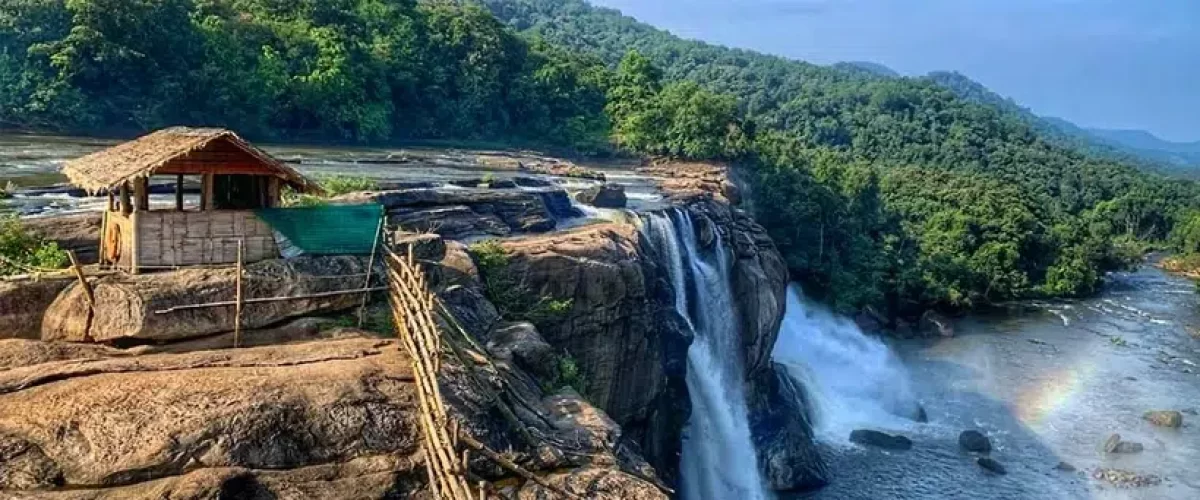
330,69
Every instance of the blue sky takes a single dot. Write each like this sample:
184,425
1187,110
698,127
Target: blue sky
1100,63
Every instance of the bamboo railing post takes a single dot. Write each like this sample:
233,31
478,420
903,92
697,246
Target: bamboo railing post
237,314
362,310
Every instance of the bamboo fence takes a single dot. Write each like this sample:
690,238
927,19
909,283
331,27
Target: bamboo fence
414,309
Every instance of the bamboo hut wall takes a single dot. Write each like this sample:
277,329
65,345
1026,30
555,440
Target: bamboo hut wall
168,239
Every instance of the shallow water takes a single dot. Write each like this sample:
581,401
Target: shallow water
1047,383
35,161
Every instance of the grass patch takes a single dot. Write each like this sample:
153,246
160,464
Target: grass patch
21,250
334,185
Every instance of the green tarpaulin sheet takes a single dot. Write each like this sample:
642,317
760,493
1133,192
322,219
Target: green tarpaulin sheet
327,230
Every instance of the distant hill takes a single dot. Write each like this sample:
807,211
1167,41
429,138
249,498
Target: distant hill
869,68
1134,146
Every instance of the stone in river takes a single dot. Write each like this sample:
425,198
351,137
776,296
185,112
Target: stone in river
880,440
974,441
991,465
1168,418
1065,467
921,416
1114,444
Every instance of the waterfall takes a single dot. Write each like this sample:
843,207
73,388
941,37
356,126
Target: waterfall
854,381
719,460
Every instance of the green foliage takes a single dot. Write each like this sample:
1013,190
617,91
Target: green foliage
334,185
568,375
509,292
349,70
21,251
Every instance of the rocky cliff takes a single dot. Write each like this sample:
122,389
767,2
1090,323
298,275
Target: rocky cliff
311,413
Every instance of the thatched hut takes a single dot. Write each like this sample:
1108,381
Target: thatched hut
235,178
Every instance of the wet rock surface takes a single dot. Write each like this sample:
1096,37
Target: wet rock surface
974,441
1165,418
606,196
867,437
991,465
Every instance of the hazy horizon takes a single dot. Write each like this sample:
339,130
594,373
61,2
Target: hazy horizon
1098,63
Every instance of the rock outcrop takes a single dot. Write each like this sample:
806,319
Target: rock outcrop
327,419
23,304
606,196
127,307
630,355
463,214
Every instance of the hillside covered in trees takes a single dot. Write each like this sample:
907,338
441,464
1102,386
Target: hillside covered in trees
892,192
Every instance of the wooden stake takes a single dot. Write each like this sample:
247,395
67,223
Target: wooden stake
237,315
87,294
362,310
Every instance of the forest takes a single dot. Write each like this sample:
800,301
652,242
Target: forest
896,193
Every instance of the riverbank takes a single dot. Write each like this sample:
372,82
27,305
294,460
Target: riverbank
1048,384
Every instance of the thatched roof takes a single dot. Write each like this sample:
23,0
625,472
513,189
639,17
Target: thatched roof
144,156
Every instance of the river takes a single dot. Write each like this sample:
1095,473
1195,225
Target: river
33,161
1047,382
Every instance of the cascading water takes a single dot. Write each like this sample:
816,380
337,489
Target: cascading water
853,381
719,460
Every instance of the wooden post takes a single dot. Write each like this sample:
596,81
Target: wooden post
237,315
102,256
112,201
273,188
206,191
179,193
87,288
126,200
141,194
87,294
362,310
134,241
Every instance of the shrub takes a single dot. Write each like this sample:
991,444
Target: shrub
21,250
509,292
334,185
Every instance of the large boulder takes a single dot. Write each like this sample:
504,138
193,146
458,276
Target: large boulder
867,437
128,307
1165,418
117,421
23,304
606,196
468,213
782,432
974,441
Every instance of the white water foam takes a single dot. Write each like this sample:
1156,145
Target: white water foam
854,381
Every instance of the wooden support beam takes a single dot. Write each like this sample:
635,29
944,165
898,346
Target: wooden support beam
141,195
179,192
206,191
237,315
126,199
